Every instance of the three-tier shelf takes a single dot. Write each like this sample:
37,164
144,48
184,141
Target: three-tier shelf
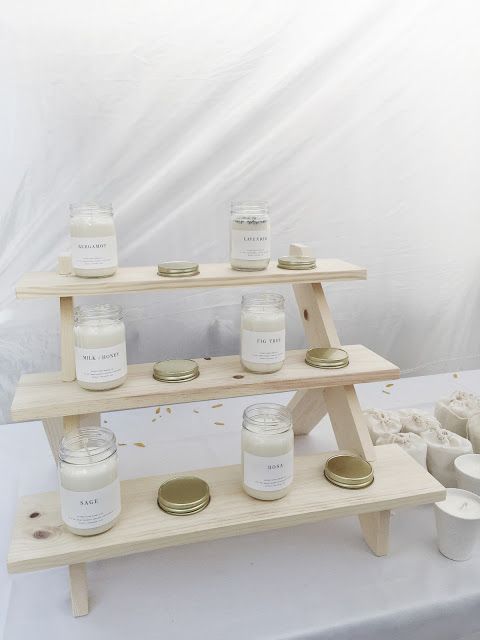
40,540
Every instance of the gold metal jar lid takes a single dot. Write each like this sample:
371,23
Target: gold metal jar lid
327,357
177,269
348,471
175,370
297,262
183,496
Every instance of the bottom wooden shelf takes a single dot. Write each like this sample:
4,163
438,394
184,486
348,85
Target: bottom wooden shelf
41,541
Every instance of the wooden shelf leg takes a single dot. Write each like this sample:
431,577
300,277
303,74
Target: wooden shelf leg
67,346
376,529
54,431
348,421
307,407
78,589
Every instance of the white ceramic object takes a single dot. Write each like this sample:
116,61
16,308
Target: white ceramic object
442,448
412,443
473,431
454,411
417,421
458,524
467,471
381,422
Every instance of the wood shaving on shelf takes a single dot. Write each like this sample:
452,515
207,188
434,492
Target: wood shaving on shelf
169,410
139,444
390,384
157,410
219,424
216,406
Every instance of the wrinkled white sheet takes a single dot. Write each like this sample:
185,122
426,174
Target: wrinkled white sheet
358,121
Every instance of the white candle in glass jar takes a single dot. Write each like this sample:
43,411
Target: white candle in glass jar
249,236
89,484
100,347
93,240
267,451
458,524
262,332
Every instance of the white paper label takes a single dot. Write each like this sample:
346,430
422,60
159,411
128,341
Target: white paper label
250,245
94,253
263,347
90,509
267,474
101,365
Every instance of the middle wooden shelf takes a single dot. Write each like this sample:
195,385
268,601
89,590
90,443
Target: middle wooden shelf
45,395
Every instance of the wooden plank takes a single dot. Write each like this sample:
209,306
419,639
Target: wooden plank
42,542
78,589
308,406
44,395
135,279
376,530
67,344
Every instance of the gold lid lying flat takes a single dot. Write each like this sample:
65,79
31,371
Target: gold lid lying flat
175,370
327,357
297,262
348,471
183,496
178,269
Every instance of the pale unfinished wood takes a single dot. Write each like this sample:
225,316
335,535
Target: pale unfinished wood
348,421
90,420
45,395
135,279
308,406
54,432
44,542
78,589
376,529
64,267
67,345
70,423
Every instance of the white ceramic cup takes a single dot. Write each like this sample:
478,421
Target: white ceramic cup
458,524
467,471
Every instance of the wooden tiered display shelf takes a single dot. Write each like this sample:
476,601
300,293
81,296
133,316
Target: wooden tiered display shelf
41,541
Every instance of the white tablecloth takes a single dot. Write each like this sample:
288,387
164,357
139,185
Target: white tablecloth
311,581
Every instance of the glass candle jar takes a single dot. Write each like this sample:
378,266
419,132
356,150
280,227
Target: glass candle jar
249,236
262,332
93,240
89,484
267,451
100,348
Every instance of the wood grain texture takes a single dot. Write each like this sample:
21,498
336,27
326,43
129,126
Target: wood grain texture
78,589
67,344
376,531
308,406
54,432
135,279
348,421
44,542
44,395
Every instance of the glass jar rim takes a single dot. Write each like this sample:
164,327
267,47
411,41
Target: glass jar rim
267,418
261,300
87,445
89,313
90,208
250,209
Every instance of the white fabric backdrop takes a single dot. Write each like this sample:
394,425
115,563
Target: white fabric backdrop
357,121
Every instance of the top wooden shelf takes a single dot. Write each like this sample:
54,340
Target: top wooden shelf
136,279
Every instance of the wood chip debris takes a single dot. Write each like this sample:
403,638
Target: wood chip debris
169,410
139,444
387,392
455,375
216,406
219,424
157,410
389,385
196,411
122,444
